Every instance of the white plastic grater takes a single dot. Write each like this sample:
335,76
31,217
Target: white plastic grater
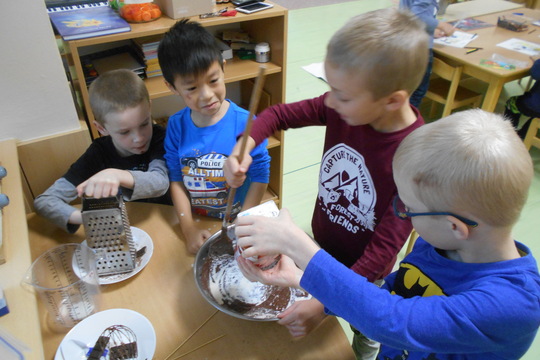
107,229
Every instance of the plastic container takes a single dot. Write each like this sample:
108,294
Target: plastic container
262,52
269,209
137,11
508,63
10,347
66,280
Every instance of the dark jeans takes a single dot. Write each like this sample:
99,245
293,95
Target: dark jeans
514,110
418,94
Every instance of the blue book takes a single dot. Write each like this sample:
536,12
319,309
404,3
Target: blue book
86,20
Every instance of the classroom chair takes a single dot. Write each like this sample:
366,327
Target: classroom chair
532,138
444,89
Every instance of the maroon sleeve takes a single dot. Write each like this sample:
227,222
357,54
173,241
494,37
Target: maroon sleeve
380,254
299,114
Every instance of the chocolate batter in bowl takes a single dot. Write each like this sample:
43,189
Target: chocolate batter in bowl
222,284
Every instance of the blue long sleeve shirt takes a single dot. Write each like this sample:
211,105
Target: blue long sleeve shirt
425,10
435,308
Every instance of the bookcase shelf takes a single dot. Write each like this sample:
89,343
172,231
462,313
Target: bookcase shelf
235,70
265,26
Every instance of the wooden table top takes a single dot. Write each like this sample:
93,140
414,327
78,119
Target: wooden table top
165,292
487,39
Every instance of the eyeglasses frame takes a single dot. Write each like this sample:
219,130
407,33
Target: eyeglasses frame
403,215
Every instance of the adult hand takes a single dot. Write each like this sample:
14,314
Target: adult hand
302,317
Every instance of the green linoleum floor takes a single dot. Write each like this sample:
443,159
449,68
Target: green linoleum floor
309,31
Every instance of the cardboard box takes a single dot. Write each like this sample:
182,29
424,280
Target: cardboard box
177,9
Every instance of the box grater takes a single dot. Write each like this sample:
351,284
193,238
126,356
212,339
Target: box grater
107,229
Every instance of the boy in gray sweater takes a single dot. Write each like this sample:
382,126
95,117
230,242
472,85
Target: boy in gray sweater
127,158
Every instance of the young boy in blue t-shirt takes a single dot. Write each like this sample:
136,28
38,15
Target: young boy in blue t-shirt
201,136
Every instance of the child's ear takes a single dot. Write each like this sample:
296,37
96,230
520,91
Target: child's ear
101,128
459,229
172,88
396,100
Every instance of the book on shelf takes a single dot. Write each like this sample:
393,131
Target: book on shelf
83,20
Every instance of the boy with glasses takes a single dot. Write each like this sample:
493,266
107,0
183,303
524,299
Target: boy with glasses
468,290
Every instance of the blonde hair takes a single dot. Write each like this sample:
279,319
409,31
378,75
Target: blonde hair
389,48
470,161
116,91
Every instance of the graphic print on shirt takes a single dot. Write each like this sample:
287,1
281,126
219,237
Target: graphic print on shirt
346,191
204,180
410,281
140,167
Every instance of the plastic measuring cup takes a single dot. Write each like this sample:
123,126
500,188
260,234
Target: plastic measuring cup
66,280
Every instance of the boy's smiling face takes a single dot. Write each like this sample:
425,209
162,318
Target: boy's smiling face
350,99
130,130
203,94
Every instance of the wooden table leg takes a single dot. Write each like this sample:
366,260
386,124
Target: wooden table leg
492,94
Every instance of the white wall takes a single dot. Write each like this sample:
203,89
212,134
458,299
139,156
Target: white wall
35,99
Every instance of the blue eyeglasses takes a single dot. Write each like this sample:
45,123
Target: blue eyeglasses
403,213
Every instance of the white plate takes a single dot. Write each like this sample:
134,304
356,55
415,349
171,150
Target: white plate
88,331
141,239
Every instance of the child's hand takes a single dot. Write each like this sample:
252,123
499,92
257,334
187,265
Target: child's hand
195,237
75,218
234,169
302,317
260,235
235,172
284,274
103,184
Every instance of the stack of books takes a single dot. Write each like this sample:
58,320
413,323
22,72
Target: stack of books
146,47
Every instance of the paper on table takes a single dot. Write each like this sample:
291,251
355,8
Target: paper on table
316,69
522,46
458,39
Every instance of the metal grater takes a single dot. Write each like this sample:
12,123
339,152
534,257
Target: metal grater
107,229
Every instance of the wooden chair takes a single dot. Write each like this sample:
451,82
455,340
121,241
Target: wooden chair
444,89
532,138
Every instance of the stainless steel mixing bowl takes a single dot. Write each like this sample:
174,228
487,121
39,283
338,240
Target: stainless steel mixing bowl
200,259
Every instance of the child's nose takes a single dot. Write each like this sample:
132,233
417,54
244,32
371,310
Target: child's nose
138,136
205,92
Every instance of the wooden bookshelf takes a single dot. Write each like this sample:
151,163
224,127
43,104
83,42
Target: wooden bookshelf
264,26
